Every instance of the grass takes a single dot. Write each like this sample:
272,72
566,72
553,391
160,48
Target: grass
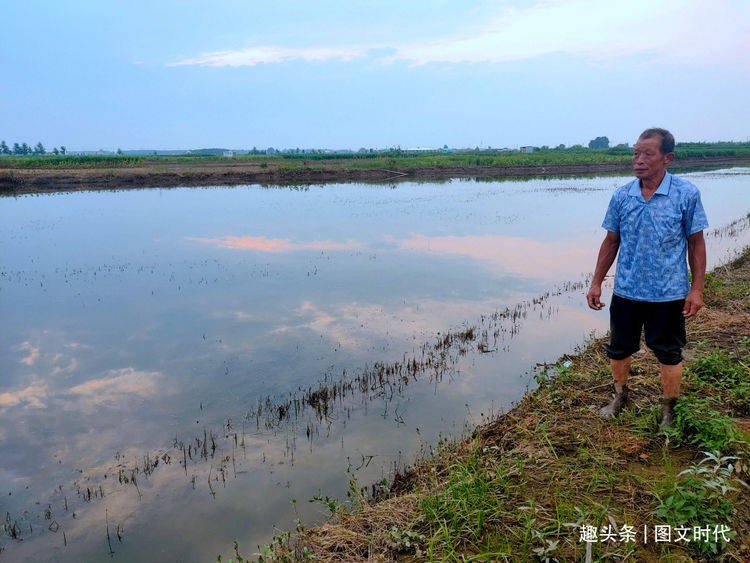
394,158
458,515
526,485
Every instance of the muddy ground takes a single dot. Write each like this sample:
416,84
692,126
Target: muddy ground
231,173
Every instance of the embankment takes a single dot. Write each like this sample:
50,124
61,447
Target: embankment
217,173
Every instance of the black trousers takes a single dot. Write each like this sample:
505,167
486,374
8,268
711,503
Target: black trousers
663,323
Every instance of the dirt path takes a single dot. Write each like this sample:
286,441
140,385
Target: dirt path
232,173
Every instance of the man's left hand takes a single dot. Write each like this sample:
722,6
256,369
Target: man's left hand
693,302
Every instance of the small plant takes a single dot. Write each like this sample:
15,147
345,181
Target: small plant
404,540
547,549
357,495
647,421
565,373
277,550
330,503
700,497
712,283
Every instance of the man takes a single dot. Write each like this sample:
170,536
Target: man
654,221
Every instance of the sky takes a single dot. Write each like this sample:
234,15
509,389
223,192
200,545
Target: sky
186,74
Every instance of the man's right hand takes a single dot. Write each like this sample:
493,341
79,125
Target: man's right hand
595,292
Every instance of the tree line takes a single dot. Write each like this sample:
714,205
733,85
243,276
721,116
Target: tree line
25,149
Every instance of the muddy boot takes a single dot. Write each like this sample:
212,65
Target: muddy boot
667,412
617,403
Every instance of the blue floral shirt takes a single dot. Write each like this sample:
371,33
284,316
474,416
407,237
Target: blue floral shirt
652,261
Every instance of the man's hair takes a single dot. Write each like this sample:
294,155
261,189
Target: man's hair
667,139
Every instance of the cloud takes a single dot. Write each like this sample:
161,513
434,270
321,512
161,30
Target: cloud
33,353
252,56
331,324
244,316
33,394
117,384
264,244
547,260
70,366
597,30
682,31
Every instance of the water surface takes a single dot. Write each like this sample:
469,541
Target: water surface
169,358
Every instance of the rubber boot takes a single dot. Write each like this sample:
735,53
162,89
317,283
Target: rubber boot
618,402
667,412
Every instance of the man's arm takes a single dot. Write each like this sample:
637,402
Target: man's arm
607,253
697,260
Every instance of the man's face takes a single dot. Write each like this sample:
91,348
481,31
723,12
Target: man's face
648,160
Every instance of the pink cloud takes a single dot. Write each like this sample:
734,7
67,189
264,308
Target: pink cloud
33,353
515,254
32,395
264,244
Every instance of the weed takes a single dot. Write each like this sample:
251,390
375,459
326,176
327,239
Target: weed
647,421
723,371
700,497
698,422
468,505
720,368
278,550
401,540
565,373
330,503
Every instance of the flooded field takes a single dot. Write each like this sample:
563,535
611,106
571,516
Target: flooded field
181,368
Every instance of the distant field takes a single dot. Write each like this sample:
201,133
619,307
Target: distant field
48,173
392,159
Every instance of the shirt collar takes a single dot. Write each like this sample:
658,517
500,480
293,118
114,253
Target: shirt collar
663,189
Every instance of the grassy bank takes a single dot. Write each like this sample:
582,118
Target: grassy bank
396,158
113,173
525,485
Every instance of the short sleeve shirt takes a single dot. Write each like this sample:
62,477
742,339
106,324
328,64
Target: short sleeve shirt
652,260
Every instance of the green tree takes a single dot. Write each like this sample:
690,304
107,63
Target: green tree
55,151
63,150
16,148
119,151
4,148
39,149
561,146
599,143
25,149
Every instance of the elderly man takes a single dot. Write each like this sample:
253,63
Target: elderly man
654,221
